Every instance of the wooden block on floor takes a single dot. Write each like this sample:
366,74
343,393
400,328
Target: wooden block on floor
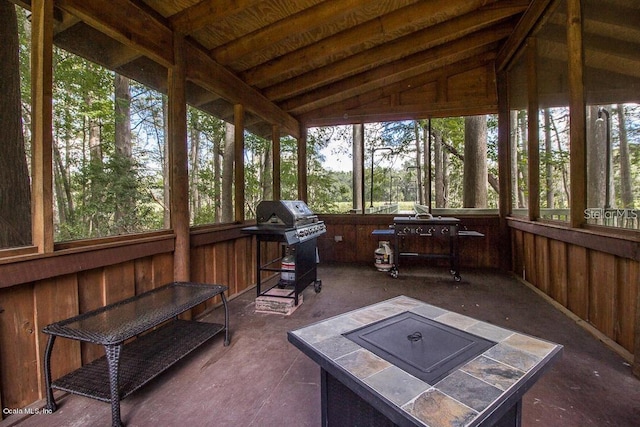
273,302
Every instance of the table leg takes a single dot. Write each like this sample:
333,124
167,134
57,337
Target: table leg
51,402
226,319
113,360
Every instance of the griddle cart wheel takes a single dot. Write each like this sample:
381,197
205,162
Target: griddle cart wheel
394,272
317,286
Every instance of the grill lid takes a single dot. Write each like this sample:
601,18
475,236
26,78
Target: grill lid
288,213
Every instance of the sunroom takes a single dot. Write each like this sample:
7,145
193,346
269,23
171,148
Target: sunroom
140,137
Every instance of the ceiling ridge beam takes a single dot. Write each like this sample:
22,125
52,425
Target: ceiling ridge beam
200,14
368,34
396,71
426,39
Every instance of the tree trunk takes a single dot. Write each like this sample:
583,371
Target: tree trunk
227,174
266,175
165,166
548,159
217,178
194,173
418,163
626,189
15,193
426,162
475,162
122,106
596,159
522,160
438,163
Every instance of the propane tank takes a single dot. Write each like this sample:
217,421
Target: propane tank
383,256
288,274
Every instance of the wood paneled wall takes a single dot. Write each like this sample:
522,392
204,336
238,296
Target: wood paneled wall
224,257
598,283
349,239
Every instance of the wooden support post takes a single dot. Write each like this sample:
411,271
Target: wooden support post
504,168
533,131
275,138
238,179
178,170
358,167
42,119
577,119
302,165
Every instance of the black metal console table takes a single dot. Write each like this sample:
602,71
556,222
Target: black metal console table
125,368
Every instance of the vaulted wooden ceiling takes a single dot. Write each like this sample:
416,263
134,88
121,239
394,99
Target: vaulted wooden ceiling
296,63
309,62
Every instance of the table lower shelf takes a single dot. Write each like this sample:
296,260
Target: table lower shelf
141,360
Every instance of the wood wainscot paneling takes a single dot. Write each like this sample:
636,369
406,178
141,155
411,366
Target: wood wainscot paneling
349,239
594,274
37,290
578,280
602,291
628,275
19,369
558,271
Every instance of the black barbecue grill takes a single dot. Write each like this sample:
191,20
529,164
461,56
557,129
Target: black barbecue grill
293,224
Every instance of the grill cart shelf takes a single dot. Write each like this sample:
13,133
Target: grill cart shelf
126,368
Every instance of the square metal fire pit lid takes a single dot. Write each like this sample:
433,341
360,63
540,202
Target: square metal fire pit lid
426,349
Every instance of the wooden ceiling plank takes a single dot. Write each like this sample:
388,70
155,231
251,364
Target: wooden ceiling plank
207,11
127,23
397,71
425,39
388,27
304,21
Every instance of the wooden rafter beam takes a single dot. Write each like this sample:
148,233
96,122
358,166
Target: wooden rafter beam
369,59
207,11
394,72
227,85
302,22
388,27
127,23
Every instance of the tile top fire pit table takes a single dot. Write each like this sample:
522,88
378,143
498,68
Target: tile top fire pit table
403,362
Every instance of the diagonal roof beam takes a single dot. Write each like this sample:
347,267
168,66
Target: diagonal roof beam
301,22
207,11
426,39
